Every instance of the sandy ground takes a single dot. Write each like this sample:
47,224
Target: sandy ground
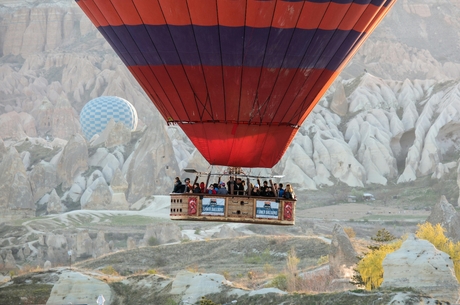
356,211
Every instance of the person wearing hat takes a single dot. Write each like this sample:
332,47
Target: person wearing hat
222,190
255,191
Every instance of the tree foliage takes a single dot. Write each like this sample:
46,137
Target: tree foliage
370,267
435,235
369,270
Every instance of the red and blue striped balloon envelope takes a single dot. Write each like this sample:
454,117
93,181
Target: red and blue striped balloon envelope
238,76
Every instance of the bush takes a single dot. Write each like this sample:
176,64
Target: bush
109,270
153,241
350,232
324,259
370,267
280,282
151,271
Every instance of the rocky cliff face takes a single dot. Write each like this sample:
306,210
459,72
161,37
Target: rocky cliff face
393,116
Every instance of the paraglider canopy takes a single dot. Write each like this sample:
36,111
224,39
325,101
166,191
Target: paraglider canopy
238,76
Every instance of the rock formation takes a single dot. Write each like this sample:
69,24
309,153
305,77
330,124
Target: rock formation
163,233
77,288
16,200
446,215
342,255
73,161
419,265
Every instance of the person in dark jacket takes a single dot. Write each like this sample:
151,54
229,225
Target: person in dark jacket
196,188
289,192
178,186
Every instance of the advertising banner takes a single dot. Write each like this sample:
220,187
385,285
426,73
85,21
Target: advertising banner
267,209
213,206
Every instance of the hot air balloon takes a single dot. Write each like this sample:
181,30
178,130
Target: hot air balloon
97,113
238,76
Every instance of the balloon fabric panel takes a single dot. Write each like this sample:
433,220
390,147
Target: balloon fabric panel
238,76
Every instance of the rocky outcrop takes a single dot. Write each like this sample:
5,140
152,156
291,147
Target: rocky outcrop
151,166
65,124
16,200
73,161
227,231
163,233
17,126
444,213
342,256
100,245
97,196
77,288
54,205
419,265
42,179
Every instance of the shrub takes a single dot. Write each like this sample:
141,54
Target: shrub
324,259
153,241
280,282
350,232
109,270
292,262
370,267
151,271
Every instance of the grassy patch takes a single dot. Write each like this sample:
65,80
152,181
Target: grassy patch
25,294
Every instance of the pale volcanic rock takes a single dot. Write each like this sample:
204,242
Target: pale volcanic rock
419,265
73,161
42,179
119,183
151,167
34,36
16,199
338,159
8,260
65,123
339,104
44,117
342,256
11,126
84,245
163,233
77,288
47,265
445,214
131,243
442,170
100,245
227,231
55,205
371,93
97,196
12,42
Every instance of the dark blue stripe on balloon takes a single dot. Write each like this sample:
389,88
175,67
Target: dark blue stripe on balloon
193,45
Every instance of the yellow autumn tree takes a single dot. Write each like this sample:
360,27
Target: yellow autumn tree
435,235
370,267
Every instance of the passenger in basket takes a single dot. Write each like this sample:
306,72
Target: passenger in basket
255,191
211,189
188,186
263,187
203,187
239,187
269,192
196,188
289,192
178,186
222,190
280,190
